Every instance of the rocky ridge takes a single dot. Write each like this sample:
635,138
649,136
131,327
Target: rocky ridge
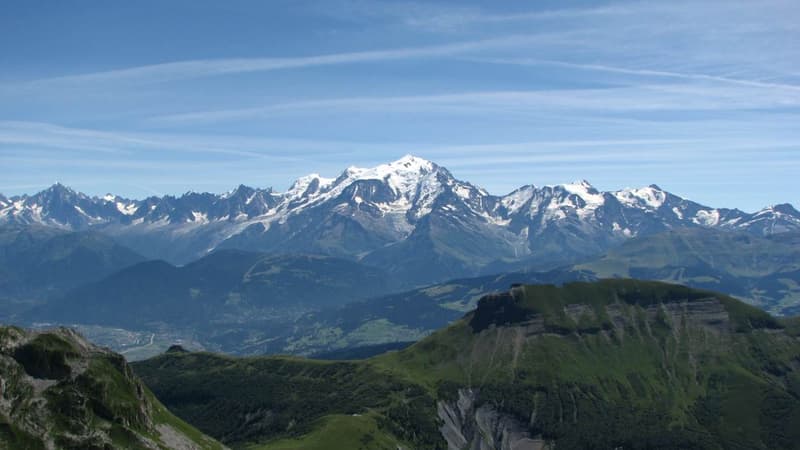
58,391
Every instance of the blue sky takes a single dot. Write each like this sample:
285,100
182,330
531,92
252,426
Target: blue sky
156,97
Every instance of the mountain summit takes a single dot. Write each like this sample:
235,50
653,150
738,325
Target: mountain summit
410,216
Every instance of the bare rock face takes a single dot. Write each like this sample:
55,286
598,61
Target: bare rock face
708,314
483,428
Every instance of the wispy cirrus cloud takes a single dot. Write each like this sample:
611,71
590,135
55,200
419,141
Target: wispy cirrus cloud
631,92
178,70
639,72
655,97
435,17
171,162
19,136
55,145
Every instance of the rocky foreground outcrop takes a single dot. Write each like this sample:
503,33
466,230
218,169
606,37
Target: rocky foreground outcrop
58,391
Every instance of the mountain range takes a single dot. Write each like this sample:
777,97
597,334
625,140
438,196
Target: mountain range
410,217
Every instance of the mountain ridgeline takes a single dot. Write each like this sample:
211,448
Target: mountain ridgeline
38,263
252,303
608,364
761,270
409,217
220,289
764,270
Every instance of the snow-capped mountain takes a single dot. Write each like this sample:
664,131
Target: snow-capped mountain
410,216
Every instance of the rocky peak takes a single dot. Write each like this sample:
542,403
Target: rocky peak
240,191
784,209
403,176
55,193
308,185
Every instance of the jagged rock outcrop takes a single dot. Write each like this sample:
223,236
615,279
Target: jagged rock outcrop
466,426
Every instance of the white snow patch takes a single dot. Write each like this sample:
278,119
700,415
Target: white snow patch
617,228
199,217
462,191
708,218
647,197
92,218
128,210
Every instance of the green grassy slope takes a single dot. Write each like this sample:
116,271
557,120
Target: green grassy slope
642,377
256,400
336,432
616,363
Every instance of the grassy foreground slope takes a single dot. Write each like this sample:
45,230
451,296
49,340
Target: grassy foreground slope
615,363
60,392
277,402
